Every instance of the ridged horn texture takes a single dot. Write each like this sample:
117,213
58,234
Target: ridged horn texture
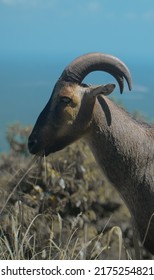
79,68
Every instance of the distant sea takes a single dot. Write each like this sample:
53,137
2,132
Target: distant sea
26,83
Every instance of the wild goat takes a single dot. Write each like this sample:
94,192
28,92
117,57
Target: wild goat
123,147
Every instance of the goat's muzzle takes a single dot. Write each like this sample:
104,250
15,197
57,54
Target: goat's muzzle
33,145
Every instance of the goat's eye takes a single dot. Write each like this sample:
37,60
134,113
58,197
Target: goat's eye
65,100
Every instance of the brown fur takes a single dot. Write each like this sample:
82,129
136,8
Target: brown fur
123,147
124,150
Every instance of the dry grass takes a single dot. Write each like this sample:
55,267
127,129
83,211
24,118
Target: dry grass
60,207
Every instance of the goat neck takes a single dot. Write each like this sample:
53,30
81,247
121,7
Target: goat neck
125,152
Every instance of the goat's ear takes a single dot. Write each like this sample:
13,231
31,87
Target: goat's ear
103,89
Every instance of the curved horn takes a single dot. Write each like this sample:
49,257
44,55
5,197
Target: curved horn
79,68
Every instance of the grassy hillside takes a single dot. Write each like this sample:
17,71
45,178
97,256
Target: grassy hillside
59,207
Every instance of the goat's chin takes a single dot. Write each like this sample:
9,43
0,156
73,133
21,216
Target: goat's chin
53,149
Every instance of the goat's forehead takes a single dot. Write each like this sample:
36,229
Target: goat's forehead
67,89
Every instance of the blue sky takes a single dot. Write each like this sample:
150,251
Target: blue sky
39,37
119,27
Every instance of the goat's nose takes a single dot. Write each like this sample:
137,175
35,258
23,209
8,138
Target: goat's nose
32,145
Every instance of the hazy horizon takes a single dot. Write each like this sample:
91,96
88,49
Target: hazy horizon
40,37
26,85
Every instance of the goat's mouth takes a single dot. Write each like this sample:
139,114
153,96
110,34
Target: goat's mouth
44,151
34,147
53,149
40,148
40,153
35,150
